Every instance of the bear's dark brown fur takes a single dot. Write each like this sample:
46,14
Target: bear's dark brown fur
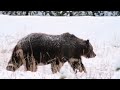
38,48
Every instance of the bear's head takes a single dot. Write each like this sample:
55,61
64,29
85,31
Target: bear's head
88,50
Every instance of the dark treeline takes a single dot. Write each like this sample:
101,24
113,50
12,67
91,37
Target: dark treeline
61,13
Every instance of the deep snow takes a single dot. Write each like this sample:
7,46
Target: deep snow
103,33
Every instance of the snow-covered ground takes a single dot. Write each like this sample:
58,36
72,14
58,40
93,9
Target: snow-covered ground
103,33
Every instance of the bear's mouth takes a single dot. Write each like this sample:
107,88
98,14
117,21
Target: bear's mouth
90,56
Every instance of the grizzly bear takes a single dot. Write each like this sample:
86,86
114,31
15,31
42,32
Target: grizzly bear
44,48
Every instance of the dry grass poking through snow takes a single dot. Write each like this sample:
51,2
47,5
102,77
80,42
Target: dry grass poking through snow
100,67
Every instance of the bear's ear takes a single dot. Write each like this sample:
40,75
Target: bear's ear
72,35
87,41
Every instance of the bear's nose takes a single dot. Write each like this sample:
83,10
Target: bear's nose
94,54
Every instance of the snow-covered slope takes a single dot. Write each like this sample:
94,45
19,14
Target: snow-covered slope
103,33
